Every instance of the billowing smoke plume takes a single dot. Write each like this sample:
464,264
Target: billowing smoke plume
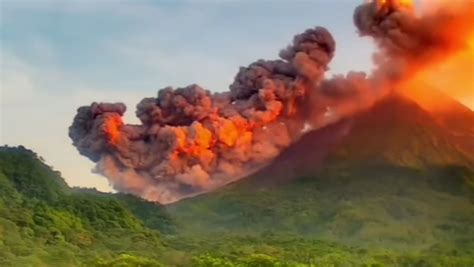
191,140
408,42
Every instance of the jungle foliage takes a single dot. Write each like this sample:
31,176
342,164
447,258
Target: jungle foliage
328,220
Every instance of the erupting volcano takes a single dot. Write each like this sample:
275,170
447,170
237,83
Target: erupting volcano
191,140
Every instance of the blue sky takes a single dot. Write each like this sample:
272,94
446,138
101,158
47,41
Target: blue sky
58,55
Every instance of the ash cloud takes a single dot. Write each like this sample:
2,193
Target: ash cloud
191,140
408,42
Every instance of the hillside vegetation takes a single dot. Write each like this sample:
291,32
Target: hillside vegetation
45,223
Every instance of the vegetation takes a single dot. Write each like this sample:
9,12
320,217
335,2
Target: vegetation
45,223
330,219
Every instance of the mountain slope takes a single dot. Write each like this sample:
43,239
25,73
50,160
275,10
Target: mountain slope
392,177
43,222
449,113
400,132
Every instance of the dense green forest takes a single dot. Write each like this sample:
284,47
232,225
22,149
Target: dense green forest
43,222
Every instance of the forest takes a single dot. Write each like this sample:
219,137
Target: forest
44,222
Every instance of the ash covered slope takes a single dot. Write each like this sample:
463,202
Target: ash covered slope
393,176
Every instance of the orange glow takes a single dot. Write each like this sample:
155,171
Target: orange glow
395,3
112,128
228,133
245,139
453,76
202,136
406,3
451,71
196,142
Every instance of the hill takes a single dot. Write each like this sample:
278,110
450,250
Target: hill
43,222
393,177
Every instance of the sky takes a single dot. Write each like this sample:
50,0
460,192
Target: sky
58,55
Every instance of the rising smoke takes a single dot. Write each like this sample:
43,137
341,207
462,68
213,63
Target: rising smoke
191,140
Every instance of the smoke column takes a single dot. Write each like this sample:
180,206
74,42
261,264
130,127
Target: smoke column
191,140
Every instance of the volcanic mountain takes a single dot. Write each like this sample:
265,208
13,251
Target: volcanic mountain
395,175
392,186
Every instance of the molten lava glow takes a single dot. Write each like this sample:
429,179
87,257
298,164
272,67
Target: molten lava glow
112,129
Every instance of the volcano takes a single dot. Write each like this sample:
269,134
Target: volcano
390,186
396,175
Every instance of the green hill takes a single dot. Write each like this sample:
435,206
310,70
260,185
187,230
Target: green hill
44,223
